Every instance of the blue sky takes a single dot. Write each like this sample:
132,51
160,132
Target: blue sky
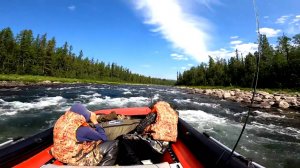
153,37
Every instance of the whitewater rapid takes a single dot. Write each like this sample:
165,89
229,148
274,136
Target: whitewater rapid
271,138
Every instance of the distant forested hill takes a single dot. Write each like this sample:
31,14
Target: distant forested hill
24,54
279,67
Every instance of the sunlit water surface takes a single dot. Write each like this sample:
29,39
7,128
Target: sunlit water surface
271,138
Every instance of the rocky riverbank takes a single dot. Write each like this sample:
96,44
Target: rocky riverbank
261,100
11,84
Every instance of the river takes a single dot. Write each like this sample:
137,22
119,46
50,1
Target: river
272,138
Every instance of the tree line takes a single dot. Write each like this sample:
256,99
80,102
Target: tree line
25,54
279,67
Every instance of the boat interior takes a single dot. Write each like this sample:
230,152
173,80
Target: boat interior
191,150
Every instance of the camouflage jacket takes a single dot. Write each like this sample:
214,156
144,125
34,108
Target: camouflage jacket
165,126
67,149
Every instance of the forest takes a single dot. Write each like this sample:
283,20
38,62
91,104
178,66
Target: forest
279,67
25,54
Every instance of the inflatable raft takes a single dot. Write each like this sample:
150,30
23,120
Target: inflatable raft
191,150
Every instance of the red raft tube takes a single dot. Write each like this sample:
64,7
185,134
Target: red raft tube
191,150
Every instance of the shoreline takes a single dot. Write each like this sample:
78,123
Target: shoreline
12,84
262,100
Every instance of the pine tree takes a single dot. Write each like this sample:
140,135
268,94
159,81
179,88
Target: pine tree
7,48
50,52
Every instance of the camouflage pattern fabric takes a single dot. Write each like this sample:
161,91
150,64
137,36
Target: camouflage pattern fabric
165,126
67,149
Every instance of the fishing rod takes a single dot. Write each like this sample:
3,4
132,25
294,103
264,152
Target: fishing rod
253,85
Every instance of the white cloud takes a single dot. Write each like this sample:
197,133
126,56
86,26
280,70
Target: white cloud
266,17
186,32
72,7
269,32
190,65
294,25
243,48
178,57
183,68
222,53
296,19
208,3
236,42
234,37
282,19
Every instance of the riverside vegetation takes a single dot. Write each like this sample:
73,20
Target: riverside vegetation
25,60
279,68
25,54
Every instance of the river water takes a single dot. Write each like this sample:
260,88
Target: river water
271,138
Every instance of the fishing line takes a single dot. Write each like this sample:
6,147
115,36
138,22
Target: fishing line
253,85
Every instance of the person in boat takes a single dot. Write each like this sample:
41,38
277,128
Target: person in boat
76,143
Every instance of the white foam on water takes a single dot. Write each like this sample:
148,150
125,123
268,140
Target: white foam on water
11,108
212,105
90,92
242,113
293,129
200,116
90,96
142,91
67,88
7,113
267,115
85,96
127,92
185,101
96,95
289,131
156,97
173,91
204,121
119,101
181,101
227,111
91,87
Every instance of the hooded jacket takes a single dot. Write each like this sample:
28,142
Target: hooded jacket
66,147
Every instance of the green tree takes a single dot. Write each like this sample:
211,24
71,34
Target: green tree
7,48
50,52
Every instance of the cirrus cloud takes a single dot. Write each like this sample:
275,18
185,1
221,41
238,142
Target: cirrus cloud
282,19
236,42
186,32
178,57
234,37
